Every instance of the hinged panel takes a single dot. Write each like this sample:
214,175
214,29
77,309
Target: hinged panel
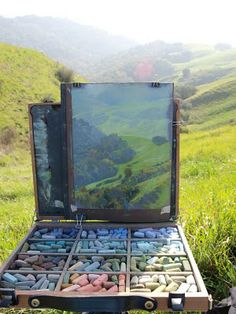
48,147
122,144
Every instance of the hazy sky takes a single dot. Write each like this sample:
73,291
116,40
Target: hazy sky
205,21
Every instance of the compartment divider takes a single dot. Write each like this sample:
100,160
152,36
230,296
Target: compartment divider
152,239
99,254
128,260
44,253
160,254
66,266
183,273
15,271
57,239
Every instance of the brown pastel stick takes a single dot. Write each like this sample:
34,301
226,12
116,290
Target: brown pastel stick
65,285
48,265
113,289
41,259
38,268
100,280
71,288
72,277
22,257
81,280
108,284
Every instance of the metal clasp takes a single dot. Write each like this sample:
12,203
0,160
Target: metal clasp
79,220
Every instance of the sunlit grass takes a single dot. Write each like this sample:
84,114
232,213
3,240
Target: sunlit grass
207,202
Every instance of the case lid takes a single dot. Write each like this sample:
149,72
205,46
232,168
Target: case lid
109,151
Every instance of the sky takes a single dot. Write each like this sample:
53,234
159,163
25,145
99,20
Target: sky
188,21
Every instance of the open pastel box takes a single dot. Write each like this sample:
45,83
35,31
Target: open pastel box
105,166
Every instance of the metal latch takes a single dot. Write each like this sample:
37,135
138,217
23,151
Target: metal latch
176,301
79,220
7,297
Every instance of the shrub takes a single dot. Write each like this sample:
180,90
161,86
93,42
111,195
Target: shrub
184,115
184,129
7,135
48,98
186,105
65,75
185,91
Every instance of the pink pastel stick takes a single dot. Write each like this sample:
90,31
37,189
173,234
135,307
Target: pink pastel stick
88,288
100,280
71,288
81,280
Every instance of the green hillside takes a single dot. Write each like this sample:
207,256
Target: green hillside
26,76
208,168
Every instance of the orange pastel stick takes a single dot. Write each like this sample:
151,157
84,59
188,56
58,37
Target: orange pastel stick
71,288
121,288
65,285
72,277
103,290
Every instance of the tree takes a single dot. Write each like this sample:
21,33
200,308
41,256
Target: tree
65,75
163,68
159,140
186,74
185,91
48,98
128,172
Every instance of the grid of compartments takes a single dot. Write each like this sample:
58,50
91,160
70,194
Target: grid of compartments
102,260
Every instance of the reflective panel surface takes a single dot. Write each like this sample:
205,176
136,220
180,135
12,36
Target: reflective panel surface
122,145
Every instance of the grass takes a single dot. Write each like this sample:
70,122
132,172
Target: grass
208,204
208,170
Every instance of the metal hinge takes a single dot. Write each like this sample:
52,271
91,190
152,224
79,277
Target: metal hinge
7,297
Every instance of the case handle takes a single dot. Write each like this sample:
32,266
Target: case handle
176,301
93,303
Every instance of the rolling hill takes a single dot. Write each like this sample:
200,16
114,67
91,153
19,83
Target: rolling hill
26,76
77,46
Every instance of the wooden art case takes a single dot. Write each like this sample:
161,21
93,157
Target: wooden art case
106,176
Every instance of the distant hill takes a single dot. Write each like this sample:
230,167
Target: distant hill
141,63
213,77
77,46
